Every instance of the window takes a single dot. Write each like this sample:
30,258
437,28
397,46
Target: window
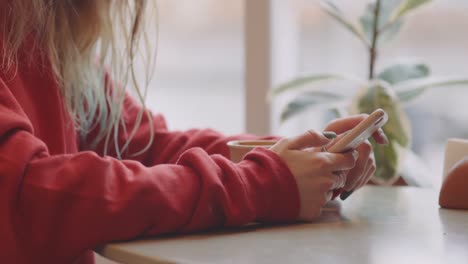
199,80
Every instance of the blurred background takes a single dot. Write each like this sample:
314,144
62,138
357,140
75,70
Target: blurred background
199,78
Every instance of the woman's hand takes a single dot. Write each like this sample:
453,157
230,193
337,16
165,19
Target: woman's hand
365,165
313,170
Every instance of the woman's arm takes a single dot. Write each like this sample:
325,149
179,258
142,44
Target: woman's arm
167,145
54,207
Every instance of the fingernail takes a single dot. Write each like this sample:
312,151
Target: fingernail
344,195
329,134
385,138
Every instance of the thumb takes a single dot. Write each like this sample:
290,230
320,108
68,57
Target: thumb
311,138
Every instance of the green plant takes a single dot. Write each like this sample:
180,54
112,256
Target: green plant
388,89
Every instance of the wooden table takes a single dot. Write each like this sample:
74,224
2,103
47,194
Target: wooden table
375,225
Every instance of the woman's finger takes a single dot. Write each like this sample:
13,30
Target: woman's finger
370,172
359,170
363,177
309,139
341,125
332,162
341,176
380,137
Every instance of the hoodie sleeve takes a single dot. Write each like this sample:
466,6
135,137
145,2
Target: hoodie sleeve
166,146
54,207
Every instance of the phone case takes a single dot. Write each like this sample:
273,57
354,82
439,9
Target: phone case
360,133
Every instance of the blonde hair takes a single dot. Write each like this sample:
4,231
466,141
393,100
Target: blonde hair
77,38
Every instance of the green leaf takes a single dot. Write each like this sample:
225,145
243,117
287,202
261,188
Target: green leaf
310,99
412,90
336,13
387,163
406,7
403,72
380,95
387,30
301,81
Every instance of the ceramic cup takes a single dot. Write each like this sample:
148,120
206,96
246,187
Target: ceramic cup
455,150
238,148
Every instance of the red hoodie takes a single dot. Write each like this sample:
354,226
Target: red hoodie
58,201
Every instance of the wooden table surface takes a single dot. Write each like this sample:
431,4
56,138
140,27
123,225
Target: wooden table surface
375,225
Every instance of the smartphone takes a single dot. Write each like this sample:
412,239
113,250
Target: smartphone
360,133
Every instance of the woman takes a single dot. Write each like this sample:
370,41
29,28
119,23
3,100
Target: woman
83,164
